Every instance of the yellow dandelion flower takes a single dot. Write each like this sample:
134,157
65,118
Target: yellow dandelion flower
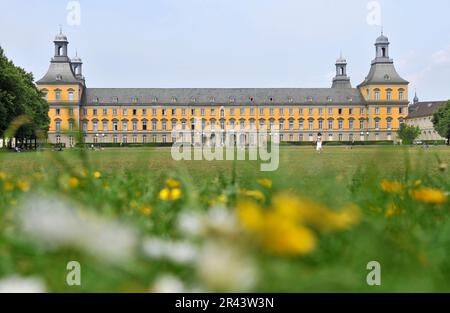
391,186
133,204
8,186
344,219
97,174
429,195
164,194
146,210
172,183
255,194
23,185
250,215
282,236
392,210
265,182
176,194
73,182
167,194
287,205
3,175
222,199
418,182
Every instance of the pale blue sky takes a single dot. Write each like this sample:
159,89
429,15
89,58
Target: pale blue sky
232,43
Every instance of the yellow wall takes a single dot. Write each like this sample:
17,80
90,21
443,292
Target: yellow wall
64,105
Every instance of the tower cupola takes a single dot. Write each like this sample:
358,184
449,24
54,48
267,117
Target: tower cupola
341,80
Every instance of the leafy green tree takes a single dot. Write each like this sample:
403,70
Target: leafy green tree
408,133
20,97
441,121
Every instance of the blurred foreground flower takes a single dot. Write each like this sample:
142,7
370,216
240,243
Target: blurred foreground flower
255,194
429,195
175,251
172,191
286,226
223,267
265,182
217,219
168,284
391,186
17,284
56,223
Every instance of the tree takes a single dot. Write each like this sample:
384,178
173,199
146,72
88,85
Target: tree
441,121
408,133
20,97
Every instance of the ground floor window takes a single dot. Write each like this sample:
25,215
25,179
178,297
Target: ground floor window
144,139
115,139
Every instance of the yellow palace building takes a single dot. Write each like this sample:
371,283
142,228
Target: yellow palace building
372,111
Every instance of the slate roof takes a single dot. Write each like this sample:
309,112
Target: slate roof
380,71
422,109
185,96
63,70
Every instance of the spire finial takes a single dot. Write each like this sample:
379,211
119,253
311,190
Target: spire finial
60,29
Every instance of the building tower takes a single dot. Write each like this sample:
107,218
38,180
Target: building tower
385,92
63,86
77,67
341,80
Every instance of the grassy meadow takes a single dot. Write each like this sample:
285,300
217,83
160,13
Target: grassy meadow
135,220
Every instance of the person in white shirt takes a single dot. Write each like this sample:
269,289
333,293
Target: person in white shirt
319,143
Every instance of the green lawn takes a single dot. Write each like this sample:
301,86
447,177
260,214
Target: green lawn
294,162
136,220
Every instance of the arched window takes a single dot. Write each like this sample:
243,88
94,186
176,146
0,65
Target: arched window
401,94
377,94
45,92
57,94
389,94
70,95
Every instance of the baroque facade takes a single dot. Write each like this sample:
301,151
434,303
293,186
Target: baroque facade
372,111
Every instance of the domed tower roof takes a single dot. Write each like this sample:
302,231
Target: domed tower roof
382,39
76,59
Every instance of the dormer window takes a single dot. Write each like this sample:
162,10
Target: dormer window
95,100
232,99
329,99
193,99
387,77
59,77
134,99
271,99
290,100
115,100
310,99
155,99
212,99
174,99
252,99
